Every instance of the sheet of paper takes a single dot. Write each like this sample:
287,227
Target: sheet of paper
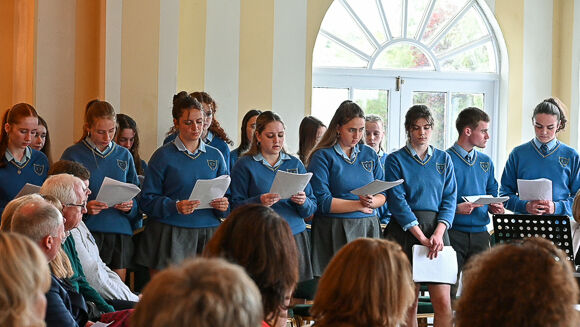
207,190
287,184
442,269
28,189
114,192
535,189
485,199
376,186
102,324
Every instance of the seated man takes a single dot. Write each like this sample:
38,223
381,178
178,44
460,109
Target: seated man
44,224
105,281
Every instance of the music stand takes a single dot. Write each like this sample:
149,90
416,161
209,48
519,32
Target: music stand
553,228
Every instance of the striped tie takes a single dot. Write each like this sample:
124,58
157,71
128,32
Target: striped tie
544,149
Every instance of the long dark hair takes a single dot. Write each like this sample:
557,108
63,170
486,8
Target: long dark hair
126,122
263,119
46,148
215,127
13,116
271,258
307,135
245,142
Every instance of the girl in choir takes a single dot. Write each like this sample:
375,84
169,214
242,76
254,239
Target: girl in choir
374,135
423,206
339,165
110,226
254,174
42,139
176,228
309,134
247,132
128,137
544,157
19,163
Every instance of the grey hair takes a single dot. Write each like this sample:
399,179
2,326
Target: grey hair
62,187
37,219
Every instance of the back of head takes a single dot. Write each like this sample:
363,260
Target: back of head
367,283
529,283
36,219
8,212
70,167
270,258
23,276
201,292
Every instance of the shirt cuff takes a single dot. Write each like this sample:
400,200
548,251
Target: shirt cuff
445,222
411,224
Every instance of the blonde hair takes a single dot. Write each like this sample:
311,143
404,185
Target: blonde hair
23,274
528,283
367,283
201,292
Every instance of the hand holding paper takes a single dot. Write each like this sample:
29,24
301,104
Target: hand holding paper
113,192
442,269
207,190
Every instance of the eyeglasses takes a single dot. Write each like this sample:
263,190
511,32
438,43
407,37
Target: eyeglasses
82,205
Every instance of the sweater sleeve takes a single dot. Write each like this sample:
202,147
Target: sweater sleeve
241,175
509,186
319,167
57,312
224,170
449,196
152,201
492,185
397,196
309,207
564,207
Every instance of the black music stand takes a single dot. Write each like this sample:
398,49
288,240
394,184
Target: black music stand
553,228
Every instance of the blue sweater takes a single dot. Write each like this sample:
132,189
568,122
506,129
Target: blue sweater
383,212
334,177
561,165
252,178
116,163
32,171
171,176
212,140
475,178
428,186
234,156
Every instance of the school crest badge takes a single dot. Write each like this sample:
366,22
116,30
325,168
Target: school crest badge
368,165
564,161
292,170
484,166
440,168
38,169
212,164
122,164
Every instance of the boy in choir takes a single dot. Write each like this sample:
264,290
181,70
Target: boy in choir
474,173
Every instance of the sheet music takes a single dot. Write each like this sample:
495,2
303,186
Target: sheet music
485,199
535,189
375,187
28,189
207,190
287,184
113,192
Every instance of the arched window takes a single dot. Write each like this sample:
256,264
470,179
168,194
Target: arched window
387,55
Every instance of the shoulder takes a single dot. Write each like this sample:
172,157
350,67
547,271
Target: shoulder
38,156
482,156
522,148
213,151
567,149
76,148
219,143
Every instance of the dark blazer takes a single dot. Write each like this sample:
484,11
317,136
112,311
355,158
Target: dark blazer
64,306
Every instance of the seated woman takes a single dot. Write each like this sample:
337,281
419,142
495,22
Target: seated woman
367,283
24,279
528,283
200,292
258,239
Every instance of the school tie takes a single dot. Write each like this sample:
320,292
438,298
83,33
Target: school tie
468,158
544,149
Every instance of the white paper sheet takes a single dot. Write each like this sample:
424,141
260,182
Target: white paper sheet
102,324
113,192
287,184
376,186
535,189
207,190
485,199
442,269
28,189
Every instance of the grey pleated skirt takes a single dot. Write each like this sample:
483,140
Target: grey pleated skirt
116,250
427,223
304,259
330,234
163,245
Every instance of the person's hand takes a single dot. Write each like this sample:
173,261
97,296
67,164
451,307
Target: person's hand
124,206
298,198
540,207
466,208
496,208
366,200
436,245
186,207
95,207
220,204
268,199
